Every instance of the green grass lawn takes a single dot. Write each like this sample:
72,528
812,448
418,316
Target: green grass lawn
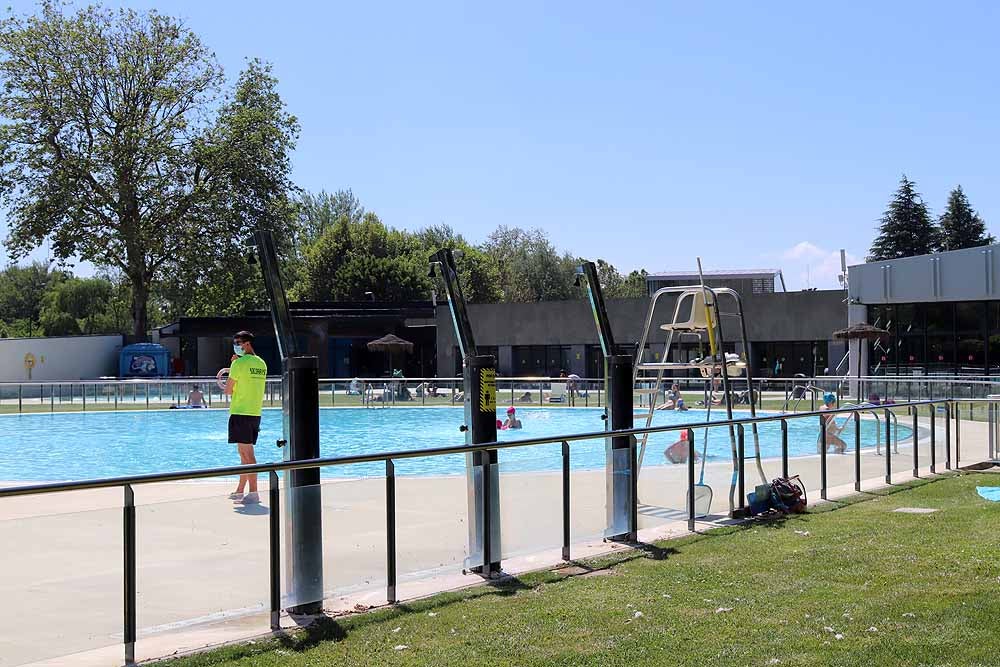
856,584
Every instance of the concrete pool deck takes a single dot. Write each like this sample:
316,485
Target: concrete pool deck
203,563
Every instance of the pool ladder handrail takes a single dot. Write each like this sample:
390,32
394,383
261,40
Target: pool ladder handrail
878,427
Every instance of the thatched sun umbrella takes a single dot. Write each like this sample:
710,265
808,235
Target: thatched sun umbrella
859,332
390,344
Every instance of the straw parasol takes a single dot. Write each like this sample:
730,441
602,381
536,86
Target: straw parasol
390,344
859,332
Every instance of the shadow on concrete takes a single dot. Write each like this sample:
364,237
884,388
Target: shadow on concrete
250,510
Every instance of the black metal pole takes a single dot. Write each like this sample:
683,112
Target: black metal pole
857,451
822,457
128,546
390,531
482,467
916,456
619,471
304,508
784,448
274,535
565,502
691,454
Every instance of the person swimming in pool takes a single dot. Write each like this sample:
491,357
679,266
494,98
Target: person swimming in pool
833,429
512,420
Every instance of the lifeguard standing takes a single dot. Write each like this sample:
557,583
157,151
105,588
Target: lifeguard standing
247,379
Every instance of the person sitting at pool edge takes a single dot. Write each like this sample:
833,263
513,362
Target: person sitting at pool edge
196,399
674,400
512,420
678,452
833,429
247,379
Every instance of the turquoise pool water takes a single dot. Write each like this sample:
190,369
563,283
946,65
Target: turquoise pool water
68,446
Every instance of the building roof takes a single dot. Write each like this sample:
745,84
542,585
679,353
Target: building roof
729,273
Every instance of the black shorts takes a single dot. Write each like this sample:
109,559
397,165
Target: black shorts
244,429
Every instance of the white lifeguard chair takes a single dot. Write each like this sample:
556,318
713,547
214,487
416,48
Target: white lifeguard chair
696,313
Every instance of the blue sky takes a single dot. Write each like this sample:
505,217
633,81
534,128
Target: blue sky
751,134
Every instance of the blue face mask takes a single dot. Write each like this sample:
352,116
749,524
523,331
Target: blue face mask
238,350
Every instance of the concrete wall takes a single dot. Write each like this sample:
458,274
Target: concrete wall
59,359
779,316
971,274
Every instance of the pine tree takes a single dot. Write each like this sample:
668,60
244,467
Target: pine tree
906,228
961,227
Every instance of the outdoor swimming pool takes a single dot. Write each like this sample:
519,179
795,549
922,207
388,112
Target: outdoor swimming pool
69,446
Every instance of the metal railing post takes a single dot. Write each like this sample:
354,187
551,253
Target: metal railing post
565,501
390,532
633,474
916,448
933,408
128,552
147,396
822,457
947,436
83,395
741,443
857,451
690,494
958,434
19,394
487,565
888,449
52,399
274,548
784,448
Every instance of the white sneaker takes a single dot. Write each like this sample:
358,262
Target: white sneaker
236,495
250,499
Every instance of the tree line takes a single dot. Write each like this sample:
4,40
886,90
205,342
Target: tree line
333,250
907,227
123,146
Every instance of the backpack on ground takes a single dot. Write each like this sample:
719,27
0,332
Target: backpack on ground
788,494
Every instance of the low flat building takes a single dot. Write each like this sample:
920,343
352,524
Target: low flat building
941,311
542,339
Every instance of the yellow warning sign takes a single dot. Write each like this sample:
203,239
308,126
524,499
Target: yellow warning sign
488,390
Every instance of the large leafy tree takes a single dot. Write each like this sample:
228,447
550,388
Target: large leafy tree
247,151
318,212
961,227
351,258
906,228
477,272
529,266
110,149
84,306
22,289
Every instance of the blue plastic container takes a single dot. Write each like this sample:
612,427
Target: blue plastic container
144,360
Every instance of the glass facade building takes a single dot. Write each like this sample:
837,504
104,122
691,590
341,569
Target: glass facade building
942,338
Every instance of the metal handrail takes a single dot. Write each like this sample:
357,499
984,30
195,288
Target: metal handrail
282,466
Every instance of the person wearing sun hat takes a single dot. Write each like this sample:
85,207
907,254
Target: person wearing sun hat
512,420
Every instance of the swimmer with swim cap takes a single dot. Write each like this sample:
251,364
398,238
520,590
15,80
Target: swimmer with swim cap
512,420
678,452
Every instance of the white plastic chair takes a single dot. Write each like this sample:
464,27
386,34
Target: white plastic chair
696,320
558,393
